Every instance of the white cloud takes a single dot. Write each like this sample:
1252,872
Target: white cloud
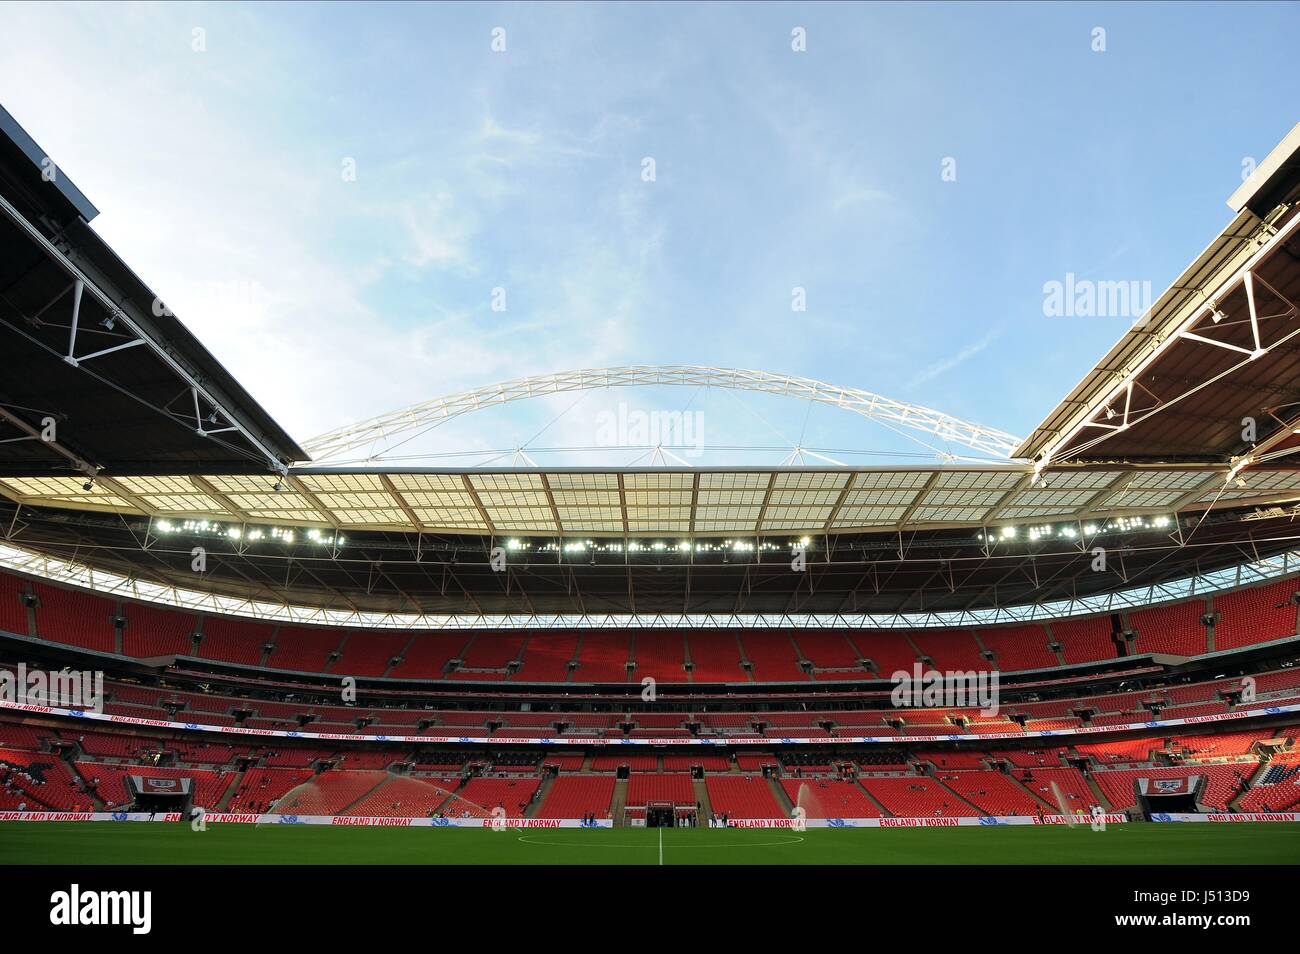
943,366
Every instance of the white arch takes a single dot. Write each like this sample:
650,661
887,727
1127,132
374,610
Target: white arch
431,413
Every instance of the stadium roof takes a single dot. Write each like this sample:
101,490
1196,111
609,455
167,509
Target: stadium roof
155,445
679,503
88,346
1222,344
915,572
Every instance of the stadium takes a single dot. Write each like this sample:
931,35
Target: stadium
221,646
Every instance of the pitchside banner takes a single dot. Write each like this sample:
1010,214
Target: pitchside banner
983,821
720,741
1227,817
792,824
543,823
362,821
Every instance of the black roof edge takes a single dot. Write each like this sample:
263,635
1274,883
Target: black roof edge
65,212
1275,180
64,190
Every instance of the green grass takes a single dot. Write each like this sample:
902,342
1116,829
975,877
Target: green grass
158,843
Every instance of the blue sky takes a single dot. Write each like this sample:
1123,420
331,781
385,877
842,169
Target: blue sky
219,177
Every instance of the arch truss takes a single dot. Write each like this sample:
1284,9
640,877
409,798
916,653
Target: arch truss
385,428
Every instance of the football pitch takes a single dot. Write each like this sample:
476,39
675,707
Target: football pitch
157,843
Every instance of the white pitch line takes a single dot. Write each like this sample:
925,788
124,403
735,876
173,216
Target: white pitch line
661,846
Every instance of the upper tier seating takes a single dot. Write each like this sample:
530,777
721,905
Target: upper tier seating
156,631
13,614
77,617
951,649
490,651
888,649
1255,615
602,656
547,656
828,649
715,656
1176,629
234,640
85,619
369,652
1018,647
660,655
428,655
303,649
1084,639
772,656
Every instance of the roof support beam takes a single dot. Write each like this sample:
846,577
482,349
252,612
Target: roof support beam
119,314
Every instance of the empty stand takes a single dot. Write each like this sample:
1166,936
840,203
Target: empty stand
1256,615
603,656
715,656
154,631
547,656
573,796
1176,629
742,796
888,649
829,798
1018,647
827,650
1085,639
951,649
772,656
369,652
644,788
303,649
428,655
75,617
13,613
916,797
991,792
660,655
234,640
